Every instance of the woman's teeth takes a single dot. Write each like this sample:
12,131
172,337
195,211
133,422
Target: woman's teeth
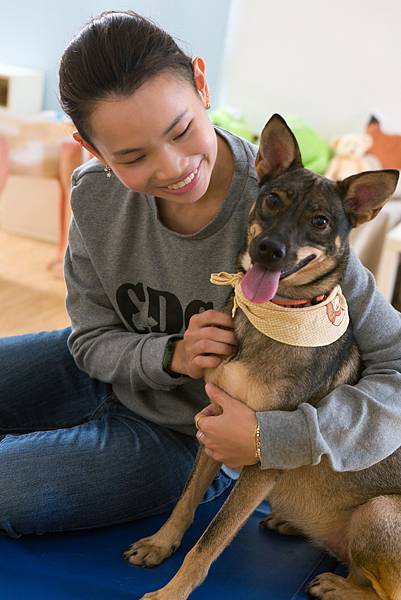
180,184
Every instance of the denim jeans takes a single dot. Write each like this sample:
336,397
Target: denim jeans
71,455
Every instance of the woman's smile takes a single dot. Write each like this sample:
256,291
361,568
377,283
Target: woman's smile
187,183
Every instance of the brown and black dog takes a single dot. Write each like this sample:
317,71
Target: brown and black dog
298,244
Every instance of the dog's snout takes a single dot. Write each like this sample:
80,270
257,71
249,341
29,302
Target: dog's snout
270,251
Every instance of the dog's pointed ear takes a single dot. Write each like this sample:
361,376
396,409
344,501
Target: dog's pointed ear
278,149
366,193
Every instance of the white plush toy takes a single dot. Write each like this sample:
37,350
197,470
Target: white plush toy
350,156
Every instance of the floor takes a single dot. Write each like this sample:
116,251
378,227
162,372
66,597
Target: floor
32,297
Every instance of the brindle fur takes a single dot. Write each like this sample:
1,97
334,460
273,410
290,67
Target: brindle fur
354,515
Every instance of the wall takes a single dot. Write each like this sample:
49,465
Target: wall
34,33
332,63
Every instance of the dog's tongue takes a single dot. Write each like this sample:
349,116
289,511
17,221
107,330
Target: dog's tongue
259,284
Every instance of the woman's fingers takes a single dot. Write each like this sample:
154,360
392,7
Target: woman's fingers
212,347
207,362
213,318
208,339
219,335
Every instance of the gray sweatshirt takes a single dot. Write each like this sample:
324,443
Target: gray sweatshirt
133,283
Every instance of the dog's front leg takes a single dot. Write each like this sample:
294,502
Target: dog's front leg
151,551
251,488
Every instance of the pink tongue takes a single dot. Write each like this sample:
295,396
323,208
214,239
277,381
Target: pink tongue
259,284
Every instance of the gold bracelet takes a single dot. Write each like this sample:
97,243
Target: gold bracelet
257,443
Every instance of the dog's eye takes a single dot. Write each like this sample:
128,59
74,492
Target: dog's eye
273,200
320,222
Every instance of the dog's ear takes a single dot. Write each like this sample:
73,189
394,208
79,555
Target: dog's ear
366,193
278,149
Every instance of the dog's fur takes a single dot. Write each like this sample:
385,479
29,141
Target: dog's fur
299,225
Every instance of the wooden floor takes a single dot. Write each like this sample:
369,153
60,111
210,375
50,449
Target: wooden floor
32,298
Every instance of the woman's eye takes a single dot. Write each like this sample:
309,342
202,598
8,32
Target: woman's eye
183,132
132,162
320,222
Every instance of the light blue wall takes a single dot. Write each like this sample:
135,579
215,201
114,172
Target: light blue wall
34,33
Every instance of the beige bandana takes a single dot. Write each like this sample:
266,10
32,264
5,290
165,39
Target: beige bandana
312,326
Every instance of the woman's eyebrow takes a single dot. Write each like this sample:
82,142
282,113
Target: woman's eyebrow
169,128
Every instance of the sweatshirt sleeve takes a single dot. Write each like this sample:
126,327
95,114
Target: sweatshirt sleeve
353,426
100,343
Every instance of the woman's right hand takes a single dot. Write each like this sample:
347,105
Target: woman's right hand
208,340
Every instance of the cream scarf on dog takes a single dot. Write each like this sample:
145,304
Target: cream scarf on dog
312,326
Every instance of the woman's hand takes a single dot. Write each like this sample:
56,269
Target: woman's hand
208,340
228,436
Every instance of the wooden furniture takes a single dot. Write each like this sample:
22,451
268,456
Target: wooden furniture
21,90
389,262
368,239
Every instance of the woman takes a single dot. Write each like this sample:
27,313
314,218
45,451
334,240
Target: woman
104,433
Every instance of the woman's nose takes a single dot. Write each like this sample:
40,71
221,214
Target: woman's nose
169,168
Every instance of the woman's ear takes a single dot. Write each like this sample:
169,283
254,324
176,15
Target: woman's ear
78,138
199,68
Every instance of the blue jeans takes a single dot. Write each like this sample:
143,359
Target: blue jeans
71,455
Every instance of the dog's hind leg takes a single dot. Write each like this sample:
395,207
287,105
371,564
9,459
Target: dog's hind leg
250,489
375,555
151,551
375,544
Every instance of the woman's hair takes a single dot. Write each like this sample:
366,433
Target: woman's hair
113,55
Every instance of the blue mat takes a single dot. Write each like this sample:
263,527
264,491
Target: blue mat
88,565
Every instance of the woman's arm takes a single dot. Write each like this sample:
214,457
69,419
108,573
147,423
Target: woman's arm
100,343
106,349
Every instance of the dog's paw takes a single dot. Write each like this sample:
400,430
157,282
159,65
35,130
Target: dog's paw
329,586
277,524
148,553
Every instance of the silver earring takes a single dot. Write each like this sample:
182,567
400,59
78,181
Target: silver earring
108,171
207,106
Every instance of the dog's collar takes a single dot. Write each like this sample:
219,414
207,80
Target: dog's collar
311,326
298,302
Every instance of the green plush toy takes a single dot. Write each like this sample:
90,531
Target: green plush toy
233,121
315,151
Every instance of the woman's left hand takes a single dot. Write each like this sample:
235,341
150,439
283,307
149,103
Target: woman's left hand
228,436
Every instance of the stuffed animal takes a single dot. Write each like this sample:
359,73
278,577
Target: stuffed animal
387,148
232,119
350,156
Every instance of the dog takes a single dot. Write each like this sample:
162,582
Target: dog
296,248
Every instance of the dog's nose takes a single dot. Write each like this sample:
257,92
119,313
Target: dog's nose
270,251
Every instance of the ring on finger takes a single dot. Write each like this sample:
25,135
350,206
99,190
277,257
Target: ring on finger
197,419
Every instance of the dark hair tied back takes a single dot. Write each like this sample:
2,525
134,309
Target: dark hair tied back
113,55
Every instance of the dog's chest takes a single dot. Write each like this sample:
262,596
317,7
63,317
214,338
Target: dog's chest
266,374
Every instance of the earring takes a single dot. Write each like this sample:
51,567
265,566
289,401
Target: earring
108,171
208,102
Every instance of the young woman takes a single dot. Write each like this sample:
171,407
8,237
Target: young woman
102,431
